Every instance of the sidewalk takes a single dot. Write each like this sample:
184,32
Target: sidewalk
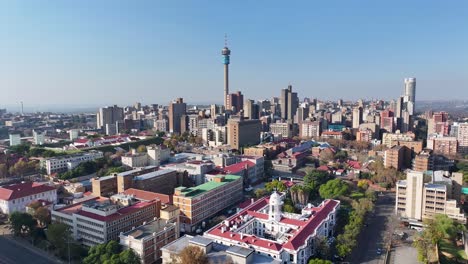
25,244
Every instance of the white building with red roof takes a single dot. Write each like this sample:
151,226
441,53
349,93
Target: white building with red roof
99,220
16,197
264,228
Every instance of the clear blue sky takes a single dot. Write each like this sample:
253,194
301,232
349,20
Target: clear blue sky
103,52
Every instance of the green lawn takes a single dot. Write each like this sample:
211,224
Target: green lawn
451,251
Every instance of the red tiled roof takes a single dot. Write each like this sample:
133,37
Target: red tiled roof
299,238
234,168
354,164
149,196
323,168
82,140
16,191
306,228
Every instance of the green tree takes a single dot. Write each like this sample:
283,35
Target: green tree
58,235
3,171
141,149
319,261
341,155
275,185
333,188
102,253
260,193
129,256
22,223
288,208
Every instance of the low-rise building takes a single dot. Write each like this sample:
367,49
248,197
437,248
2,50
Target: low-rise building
15,197
99,220
135,160
148,239
64,163
263,227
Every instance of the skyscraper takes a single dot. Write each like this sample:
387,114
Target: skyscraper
177,110
226,52
289,103
109,115
357,117
410,95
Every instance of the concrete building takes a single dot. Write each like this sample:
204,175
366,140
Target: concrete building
199,203
109,115
157,154
69,162
38,137
414,146
397,157
226,52
462,137
289,103
15,139
99,220
310,129
15,197
243,132
419,200
424,161
177,109
390,139
148,239
364,135
357,117
444,145
263,227
409,97
235,102
281,130
74,134
135,160
149,178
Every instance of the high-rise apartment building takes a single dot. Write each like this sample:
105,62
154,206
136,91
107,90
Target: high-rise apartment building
109,115
310,129
462,137
419,200
357,117
235,102
177,110
243,132
289,103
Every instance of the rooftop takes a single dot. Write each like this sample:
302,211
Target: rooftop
211,185
15,191
153,174
148,229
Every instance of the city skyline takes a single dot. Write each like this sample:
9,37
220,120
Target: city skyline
154,48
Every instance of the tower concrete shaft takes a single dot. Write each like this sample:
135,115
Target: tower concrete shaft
226,60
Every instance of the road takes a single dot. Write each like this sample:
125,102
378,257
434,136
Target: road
372,237
13,252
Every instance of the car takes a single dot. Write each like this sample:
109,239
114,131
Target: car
379,251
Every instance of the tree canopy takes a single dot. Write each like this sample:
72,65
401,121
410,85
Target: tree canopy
333,188
111,253
22,223
191,255
319,261
275,185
